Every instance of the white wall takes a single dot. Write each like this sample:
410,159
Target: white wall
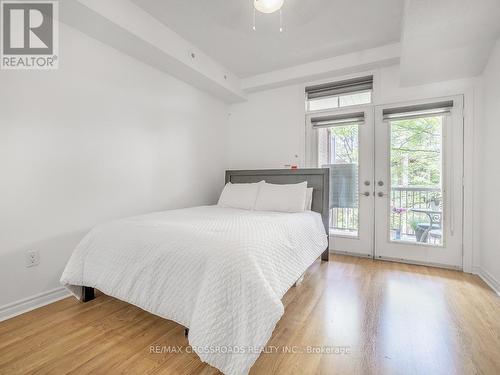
267,131
103,137
490,172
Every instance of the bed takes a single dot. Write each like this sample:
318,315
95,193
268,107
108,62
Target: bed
220,272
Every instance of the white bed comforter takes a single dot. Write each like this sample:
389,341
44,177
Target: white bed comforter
220,272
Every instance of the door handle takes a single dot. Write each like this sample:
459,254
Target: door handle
380,194
366,194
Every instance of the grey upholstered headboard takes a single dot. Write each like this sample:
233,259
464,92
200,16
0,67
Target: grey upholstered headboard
317,178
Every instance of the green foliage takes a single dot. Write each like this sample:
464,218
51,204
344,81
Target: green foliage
413,224
344,144
416,152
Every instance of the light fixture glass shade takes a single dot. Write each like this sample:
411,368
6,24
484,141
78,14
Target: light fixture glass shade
268,6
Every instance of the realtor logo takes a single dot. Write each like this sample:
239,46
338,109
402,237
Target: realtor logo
29,35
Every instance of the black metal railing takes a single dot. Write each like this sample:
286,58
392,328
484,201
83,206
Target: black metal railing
402,217
403,199
344,219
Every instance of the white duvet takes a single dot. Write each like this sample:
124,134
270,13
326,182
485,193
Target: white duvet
221,272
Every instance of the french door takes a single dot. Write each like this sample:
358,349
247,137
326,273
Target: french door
396,170
418,176
343,140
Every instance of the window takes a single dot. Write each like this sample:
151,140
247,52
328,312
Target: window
338,150
340,94
416,172
339,101
416,158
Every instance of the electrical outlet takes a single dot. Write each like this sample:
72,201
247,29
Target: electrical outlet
32,258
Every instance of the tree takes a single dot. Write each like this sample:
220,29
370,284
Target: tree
416,151
344,144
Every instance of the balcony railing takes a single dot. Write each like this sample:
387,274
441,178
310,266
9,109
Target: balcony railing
347,219
344,219
412,197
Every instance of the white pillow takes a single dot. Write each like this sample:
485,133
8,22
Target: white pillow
309,199
239,195
282,198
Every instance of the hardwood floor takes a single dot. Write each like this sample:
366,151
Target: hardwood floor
385,318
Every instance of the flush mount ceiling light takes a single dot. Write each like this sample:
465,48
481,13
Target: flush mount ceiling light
268,6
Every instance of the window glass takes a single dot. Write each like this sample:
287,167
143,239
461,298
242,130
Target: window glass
416,210
355,99
340,101
338,149
323,103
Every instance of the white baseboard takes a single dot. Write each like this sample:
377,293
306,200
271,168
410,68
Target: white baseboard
487,278
27,304
348,253
426,264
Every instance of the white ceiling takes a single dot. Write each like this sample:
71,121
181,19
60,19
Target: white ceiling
313,29
210,44
447,39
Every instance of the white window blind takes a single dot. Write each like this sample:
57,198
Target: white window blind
347,86
336,120
419,110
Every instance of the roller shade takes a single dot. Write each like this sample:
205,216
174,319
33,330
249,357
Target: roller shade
418,110
343,185
341,87
335,120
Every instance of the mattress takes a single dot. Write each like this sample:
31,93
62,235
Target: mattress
221,272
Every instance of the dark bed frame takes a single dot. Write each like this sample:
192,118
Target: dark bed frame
317,178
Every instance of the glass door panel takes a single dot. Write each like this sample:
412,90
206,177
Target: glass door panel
416,192
347,150
338,151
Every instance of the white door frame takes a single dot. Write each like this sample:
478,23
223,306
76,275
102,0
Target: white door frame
471,94
363,244
450,254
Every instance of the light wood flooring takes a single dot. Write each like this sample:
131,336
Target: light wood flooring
384,318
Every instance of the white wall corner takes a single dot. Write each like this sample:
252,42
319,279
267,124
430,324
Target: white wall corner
454,43
488,278
470,199
27,304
